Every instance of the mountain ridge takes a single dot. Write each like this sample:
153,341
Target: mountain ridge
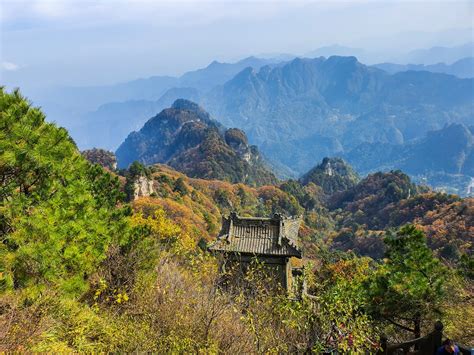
188,139
340,99
462,68
439,157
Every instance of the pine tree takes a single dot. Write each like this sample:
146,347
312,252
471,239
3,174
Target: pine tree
410,285
58,213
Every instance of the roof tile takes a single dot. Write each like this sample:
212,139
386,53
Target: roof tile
263,236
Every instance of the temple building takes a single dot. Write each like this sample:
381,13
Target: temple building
272,241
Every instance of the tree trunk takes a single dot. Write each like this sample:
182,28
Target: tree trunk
417,324
417,327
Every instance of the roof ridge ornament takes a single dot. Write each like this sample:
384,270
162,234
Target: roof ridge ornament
231,227
280,232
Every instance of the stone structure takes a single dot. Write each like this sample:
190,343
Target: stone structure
273,241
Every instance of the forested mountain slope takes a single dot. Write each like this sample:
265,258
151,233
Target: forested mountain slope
185,137
351,219
83,269
333,175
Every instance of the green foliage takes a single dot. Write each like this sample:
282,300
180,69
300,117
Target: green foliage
338,291
466,266
105,187
306,196
134,171
58,212
330,318
333,175
409,286
374,193
137,169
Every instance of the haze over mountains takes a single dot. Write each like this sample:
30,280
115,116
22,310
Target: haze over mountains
140,128
115,110
443,158
296,110
462,68
440,54
425,56
73,107
334,105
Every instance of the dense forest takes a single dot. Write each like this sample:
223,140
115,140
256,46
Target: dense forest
98,259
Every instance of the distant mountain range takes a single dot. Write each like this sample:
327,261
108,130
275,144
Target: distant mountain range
110,124
104,115
307,109
341,51
463,68
152,88
443,158
310,108
425,56
186,138
85,110
440,54
297,112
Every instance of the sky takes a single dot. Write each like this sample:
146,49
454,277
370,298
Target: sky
78,42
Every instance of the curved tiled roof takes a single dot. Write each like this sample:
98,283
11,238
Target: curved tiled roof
277,236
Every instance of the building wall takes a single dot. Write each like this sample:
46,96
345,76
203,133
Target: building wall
236,267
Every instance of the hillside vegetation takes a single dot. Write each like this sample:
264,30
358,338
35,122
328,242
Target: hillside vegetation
87,267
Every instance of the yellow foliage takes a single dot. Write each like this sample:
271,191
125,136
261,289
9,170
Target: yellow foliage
165,230
161,227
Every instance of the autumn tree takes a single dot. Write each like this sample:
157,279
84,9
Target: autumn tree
102,157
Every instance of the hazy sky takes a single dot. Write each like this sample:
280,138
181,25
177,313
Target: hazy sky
74,42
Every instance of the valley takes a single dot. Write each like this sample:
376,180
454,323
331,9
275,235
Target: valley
299,111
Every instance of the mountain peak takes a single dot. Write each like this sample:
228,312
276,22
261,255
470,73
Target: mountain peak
241,78
183,104
214,63
337,59
186,138
459,129
252,59
333,175
235,136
